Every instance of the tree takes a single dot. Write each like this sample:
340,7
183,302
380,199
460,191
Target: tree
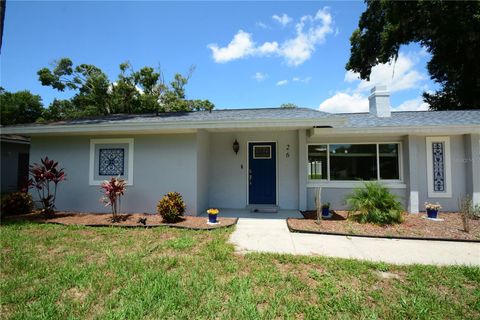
448,30
3,7
59,110
142,91
19,107
288,106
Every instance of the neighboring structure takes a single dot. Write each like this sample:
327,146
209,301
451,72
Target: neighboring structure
282,156
14,165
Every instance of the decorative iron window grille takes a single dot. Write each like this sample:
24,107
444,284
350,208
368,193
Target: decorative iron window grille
111,162
438,162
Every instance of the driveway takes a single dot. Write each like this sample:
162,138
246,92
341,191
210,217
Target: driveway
271,234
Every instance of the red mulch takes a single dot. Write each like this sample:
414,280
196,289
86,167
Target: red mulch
414,226
129,220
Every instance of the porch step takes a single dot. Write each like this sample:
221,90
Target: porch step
263,208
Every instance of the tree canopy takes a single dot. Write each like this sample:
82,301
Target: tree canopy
19,107
134,91
449,30
288,105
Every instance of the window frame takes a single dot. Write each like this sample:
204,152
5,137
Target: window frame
355,182
129,155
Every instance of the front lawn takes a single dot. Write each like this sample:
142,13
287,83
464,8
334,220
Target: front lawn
58,272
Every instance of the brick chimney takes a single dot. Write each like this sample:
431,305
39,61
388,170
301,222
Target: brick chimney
379,102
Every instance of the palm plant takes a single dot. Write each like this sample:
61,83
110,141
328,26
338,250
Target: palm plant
374,203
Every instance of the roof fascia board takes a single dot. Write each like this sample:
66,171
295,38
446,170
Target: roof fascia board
451,129
169,126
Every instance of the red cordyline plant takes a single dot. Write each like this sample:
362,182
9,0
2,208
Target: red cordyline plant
45,178
112,190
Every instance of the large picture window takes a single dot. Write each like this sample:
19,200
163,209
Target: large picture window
354,162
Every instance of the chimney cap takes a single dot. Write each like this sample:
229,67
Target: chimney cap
379,90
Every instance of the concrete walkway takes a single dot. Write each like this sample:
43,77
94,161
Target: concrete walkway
270,233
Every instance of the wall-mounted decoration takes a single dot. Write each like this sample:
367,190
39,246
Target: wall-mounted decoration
111,161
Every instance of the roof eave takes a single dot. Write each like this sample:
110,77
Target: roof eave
166,127
398,130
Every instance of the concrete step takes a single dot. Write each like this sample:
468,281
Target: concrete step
263,208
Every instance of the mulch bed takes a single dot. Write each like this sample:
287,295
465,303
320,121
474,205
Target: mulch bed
129,220
415,226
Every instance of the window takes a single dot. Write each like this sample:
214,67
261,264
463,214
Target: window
262,152
438,167
389,162
111,158
354,162
317,162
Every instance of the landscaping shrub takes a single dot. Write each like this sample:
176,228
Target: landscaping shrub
374,203
171,207
45,178
17,203
113,189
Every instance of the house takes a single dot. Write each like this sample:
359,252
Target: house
262,158
14,165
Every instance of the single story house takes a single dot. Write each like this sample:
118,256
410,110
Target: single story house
249,158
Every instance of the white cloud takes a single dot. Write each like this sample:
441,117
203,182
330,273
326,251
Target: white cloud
268,48
282,83
303,80
240,47
262,25
259,76
344,102
284,19
416,104
310,32
398,76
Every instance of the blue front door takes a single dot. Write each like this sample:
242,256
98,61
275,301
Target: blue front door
262,175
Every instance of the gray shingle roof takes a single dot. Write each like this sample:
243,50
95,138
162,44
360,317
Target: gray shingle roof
417,119
413,119
215,115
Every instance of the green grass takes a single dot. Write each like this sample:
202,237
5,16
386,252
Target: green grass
56,272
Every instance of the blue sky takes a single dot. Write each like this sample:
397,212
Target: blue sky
247,54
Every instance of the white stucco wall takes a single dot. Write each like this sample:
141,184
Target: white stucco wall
162,163
458,168
228,171
206,171
203,156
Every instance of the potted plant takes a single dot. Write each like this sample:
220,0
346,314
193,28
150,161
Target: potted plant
212,215
432,209
326,210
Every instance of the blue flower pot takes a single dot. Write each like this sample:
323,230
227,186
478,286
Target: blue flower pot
432,214
212,218
325,212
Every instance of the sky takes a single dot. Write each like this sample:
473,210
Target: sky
246,54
